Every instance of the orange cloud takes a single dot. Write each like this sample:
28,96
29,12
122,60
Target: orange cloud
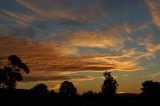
154,7
48,56
152,48
53,78
48,63
93,39
149,45
154,75
112,38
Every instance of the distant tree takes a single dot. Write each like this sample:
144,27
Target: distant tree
109,86
88,93
52,93
40,88
67,89
151,88
11,73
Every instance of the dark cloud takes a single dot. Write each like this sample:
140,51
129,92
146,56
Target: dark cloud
55,78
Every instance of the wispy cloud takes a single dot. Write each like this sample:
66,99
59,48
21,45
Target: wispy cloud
154,75
97,39
154,7
151,47
53,78
57,38
50,60
22,20
63,10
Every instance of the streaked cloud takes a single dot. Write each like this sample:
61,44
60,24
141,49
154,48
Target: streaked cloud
54,78
94,39
63,10
151,47
58,39
154,75
49,59
21,19
154,7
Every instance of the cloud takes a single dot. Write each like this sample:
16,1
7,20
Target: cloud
113,38
150,46
93,39
53,78
23,46
154,7
145,39
154,75
48,57
17,19
79,11
21,24
26,48
57,54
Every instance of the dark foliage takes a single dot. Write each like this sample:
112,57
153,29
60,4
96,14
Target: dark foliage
39,95
16,61
109,86
151,88
11,73
20,97
67,89
40,88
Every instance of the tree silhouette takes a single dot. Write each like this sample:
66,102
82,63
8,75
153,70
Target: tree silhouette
15,61
11,73
109,86
67,89
40,88
88,94
150,88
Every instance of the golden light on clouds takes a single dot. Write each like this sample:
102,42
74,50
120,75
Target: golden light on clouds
154,6
66,40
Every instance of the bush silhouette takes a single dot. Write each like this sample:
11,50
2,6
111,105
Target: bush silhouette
67,89
40,88
109,86
88,94
150,88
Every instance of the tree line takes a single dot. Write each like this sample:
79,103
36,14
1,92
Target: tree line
10,74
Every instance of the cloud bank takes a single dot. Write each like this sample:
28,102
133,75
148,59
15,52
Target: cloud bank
58,37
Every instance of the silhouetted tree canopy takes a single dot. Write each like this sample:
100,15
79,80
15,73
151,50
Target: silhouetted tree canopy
67,89
109,86
150,88
16,61
53,93
40,88
11,73
6,78
88,94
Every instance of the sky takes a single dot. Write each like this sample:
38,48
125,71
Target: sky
78,40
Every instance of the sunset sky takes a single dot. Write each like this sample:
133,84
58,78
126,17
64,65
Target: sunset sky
78,40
